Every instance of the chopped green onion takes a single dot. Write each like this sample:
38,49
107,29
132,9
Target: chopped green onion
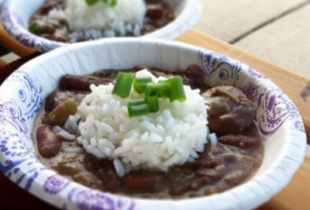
35,27
162,89
136,102
152,101
91,2
140,84
137,108
177,89
171,88
123,84
110,3
118,34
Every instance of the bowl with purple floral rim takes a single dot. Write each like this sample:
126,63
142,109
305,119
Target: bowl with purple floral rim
23,93
15,15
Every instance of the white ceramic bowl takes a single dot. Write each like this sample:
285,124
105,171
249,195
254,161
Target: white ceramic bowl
15,15
23,93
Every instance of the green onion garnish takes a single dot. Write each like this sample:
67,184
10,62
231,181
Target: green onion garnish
110,3
162,88
35,27
140,84
123,84
91,2
137,108
177,89
171,88
152,101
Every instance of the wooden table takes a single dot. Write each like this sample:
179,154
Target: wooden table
277,30
295,195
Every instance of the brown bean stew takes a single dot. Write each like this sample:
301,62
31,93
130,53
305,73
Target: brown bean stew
158,14
231,161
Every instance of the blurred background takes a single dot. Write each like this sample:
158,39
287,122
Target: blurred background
275,30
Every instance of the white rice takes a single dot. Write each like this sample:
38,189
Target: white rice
101,20
213,139
154,141
64,133
72,149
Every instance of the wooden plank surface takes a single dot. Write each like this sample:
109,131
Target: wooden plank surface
2,62
278,30
295,86
285,42
229,20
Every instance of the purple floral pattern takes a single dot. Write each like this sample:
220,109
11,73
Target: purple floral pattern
18,156
221,69
277,109
26,39
94,200
255,73
10,114
15,135
55,184
33,100
299,125
251,90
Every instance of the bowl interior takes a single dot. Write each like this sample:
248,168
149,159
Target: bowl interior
15,15
23,93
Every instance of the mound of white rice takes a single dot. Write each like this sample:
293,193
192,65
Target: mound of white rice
101,20
154,141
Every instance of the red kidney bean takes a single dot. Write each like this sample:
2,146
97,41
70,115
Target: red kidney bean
236,177
140,67
180,189
211,163
49,143
110,181
108,75
154,11
211,173
147,29
229,158
195,77
195,184
81,83
199,182
46,36
59,38
48,29
47,7
240,141
142,181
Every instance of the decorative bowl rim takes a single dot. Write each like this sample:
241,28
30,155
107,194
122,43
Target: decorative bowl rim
13,24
